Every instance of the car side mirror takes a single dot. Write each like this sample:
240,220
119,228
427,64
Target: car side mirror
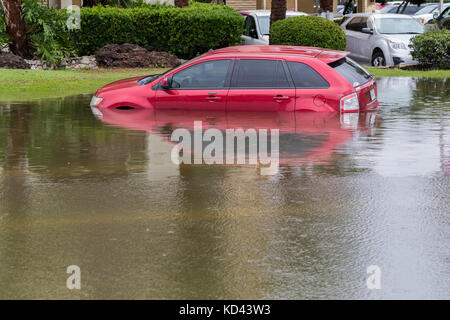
166,83
253,33
435,15
367,30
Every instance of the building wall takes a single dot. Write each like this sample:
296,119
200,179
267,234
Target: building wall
172,2
306,6
61,4
242,4
290,4
298,5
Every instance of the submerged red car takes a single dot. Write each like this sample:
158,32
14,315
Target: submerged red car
251,78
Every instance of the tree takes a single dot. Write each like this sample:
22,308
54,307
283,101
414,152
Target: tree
326,5
405,3
91,3
181,3
278,11
349,7
15,27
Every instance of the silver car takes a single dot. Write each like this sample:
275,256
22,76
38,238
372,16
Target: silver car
257,26
381,39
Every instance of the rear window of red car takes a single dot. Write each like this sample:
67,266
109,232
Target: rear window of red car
351,71
306,77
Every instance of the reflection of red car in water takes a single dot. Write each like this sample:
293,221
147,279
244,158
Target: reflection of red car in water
306,137
251,78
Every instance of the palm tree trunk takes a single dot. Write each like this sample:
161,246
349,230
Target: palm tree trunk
278,11
404,7
181,3
15,27
91,3
326,5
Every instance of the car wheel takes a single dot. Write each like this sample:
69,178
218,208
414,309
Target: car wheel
378,59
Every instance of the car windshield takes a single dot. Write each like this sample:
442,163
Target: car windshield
427,9
410,9
386,9
398,26
264,23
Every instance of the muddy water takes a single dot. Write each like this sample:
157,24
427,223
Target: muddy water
103,194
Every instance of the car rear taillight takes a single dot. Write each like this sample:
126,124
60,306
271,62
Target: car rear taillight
349,103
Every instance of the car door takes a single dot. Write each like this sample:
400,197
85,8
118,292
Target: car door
260,85
311,89
203,86
351,33
362,47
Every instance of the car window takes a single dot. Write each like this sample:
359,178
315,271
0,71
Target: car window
363,23
249,26
405,25
344,19
410,9
260,74
387,9
306,77
354,24
427,9
369,24
351,71
264,24
446,13
208,75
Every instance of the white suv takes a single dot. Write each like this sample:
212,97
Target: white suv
257,26
381,39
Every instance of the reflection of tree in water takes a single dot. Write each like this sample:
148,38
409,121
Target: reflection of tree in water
15,189
15,158
65,138
430,93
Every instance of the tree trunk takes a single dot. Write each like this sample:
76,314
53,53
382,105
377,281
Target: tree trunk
326,5
348,5
404,7
181,3
15,27
278,11
91,3
401,6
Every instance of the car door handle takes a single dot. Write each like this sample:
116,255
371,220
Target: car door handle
280,97
213,98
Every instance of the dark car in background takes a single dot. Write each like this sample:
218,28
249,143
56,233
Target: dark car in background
443,20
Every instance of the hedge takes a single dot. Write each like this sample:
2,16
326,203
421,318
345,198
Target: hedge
432,49
183,32
311,31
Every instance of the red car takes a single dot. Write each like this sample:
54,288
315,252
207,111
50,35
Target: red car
251,78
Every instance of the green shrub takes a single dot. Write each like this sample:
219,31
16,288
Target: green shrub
183,32
311,31
47,31
432,49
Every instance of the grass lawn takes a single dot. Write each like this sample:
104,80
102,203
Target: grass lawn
22,85
384,72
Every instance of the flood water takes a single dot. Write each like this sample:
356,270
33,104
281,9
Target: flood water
104,195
